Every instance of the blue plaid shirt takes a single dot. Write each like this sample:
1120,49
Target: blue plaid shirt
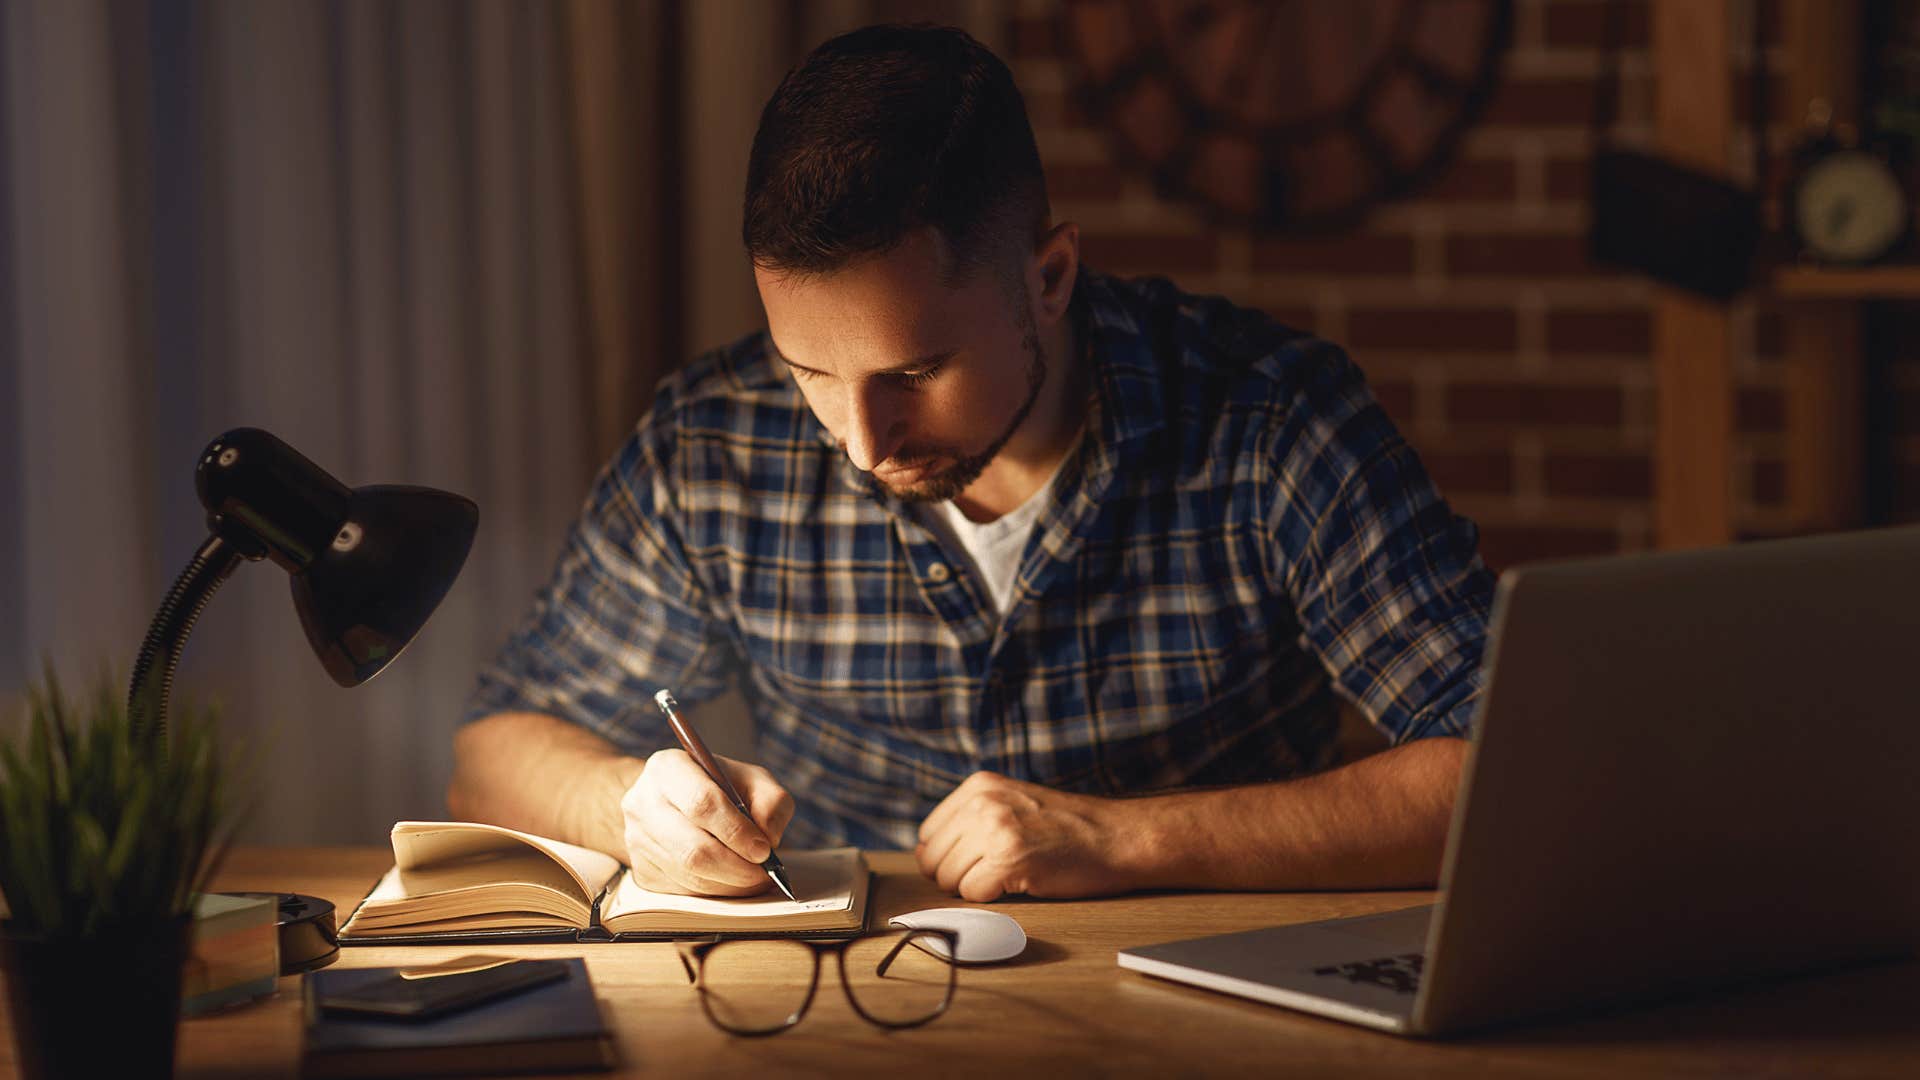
1240,529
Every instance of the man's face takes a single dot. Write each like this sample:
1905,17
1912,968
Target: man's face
920,382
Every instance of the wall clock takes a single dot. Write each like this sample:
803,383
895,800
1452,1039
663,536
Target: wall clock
1294,117
1845,204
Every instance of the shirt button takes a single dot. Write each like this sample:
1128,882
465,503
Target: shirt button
938,572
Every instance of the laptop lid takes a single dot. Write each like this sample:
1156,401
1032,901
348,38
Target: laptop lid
1689,768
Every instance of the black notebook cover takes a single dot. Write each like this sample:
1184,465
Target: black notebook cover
551,1028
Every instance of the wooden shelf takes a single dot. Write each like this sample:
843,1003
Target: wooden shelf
1696,429
1895,281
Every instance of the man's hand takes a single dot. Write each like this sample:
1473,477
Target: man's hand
683,836
994,836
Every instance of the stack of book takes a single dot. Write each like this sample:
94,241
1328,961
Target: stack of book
236,952
555,1027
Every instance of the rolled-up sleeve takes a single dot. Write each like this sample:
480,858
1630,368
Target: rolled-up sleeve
622,616
1391,593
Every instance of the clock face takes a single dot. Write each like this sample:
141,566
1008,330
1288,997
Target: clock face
1289,116
1848,207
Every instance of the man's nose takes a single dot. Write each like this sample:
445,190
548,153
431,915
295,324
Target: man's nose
875,426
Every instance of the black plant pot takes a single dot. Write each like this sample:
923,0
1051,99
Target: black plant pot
107,1005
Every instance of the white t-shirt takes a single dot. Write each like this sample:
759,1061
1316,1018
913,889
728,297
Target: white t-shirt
993,548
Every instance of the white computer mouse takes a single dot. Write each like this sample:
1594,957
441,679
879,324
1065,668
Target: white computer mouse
982,937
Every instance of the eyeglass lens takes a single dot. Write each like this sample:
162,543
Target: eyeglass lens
895,981
757,986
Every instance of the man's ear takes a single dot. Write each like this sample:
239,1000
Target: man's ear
1056,264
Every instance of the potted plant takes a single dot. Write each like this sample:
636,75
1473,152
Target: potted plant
106,834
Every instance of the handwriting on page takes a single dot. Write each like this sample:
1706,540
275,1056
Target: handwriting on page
819,905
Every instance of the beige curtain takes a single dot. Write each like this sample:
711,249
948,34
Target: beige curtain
434,241
406,238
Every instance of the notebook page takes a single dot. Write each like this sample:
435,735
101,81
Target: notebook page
822,880
419,844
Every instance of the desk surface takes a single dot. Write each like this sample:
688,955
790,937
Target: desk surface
1067,1008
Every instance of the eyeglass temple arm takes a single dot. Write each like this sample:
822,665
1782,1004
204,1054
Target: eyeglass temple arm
887,960
689,950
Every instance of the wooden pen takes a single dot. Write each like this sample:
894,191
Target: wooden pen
690,742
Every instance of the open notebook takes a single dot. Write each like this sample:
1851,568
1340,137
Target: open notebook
456,881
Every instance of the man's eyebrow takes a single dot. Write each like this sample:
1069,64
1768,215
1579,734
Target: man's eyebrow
926,361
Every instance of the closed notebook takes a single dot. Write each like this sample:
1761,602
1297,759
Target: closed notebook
458,881
556,1027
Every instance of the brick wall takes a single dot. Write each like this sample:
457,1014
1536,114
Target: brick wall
1519,370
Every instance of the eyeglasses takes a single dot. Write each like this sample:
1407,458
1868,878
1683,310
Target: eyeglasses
764,986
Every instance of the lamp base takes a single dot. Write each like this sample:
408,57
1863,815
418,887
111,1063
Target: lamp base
308,937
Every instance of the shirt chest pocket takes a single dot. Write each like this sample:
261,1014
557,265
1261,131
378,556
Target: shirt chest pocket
873,675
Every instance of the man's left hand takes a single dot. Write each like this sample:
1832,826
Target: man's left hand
995,835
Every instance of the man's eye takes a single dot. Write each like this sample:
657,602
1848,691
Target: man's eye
924,375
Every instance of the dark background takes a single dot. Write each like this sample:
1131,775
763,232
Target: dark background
457,244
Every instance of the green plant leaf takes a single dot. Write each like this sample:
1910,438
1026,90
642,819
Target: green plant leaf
98,830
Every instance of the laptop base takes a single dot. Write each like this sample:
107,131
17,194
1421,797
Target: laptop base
1363,970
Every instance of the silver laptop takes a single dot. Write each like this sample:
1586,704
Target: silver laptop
1688,769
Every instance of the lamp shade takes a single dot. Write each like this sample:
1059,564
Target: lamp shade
368,564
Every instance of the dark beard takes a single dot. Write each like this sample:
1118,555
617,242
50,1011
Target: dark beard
957,477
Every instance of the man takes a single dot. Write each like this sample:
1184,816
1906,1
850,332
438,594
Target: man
1001,551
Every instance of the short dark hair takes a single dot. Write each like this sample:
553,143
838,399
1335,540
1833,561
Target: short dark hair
884,131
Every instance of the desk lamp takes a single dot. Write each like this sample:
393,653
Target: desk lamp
368,566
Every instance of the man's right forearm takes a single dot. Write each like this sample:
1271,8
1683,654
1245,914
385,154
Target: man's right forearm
542,775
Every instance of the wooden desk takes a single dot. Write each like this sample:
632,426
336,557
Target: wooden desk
1066,1008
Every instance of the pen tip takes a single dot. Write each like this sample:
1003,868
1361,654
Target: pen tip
664,699
779,875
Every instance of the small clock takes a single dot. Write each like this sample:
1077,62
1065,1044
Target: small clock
1845,205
